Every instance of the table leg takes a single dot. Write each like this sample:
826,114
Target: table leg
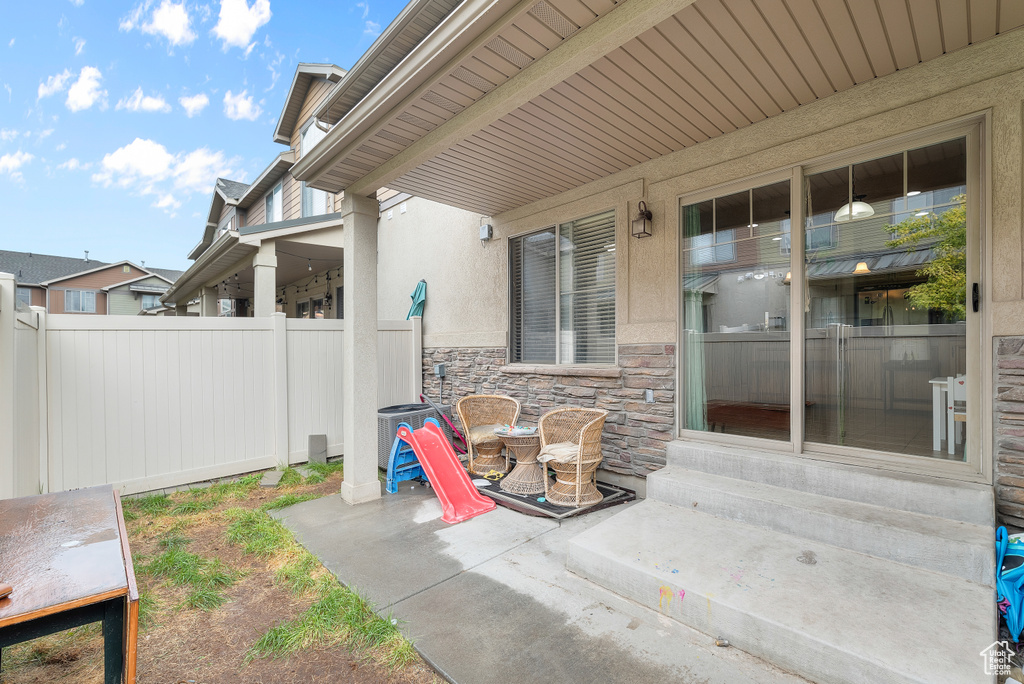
113,641
937,413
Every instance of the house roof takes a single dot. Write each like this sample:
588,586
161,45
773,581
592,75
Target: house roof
168,274
135,281
304,75
506,104
95,267
410,27
231,190
267,178
30,268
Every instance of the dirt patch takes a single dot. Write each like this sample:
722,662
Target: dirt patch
184,645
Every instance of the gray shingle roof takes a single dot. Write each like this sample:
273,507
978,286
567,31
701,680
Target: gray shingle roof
30,268
168,273
231,188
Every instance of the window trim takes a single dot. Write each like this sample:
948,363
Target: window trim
551,368
80,310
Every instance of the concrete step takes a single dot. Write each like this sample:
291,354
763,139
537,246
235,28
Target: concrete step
969,502
829,614
939,544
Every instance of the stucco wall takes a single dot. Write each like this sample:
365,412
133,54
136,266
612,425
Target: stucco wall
466,279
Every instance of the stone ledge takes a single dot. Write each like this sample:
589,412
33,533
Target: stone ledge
570,371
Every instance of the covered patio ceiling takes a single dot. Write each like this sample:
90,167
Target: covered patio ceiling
509,103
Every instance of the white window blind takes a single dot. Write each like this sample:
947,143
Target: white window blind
314,202
79,301
563,305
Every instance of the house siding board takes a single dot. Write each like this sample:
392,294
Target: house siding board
124,303
636,434
257,214
99,279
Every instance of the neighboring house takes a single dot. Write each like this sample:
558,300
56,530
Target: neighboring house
69,285
764,330
274,244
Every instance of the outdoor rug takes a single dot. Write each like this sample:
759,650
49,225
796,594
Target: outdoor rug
528,503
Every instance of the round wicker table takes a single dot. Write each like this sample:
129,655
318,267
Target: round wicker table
488,457
528,475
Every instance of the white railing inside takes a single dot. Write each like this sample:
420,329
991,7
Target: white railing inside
146,403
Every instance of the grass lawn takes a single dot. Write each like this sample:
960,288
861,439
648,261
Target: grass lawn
227,595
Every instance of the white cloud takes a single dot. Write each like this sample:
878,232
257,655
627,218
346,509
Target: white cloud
145,167
137,102
77,3
238,22
7,87
170,20
79,45
239,106
11,163
73,165
45,134
54,84
8,134
372,29
85,92
61,147
167,201
366,8
194,104
11,44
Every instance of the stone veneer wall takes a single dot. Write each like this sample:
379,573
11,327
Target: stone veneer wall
635,432
1009,437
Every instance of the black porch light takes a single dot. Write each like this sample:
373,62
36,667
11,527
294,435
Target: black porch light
642,221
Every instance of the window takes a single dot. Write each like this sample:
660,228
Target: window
227,224
302,309
150,301
716,248
821,234
274,205
79,301
563,293
226,307
24,296
318,308
314,202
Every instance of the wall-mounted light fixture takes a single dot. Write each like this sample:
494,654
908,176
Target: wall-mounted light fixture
642,221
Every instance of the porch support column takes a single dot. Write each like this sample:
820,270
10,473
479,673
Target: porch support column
265,266
359,353
181,309
208,306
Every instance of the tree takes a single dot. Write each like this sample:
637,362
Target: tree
946,287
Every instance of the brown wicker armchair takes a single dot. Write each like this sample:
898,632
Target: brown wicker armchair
480,414
571,446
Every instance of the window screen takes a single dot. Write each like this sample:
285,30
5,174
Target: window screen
79,301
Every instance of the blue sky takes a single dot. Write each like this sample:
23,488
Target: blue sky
116,117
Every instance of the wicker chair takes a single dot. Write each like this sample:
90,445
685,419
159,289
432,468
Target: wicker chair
480,414
570,438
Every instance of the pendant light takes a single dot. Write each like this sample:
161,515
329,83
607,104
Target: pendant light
856,210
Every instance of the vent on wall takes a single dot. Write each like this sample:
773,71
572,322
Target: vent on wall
414,120
469,78
509,52
442,102
553,19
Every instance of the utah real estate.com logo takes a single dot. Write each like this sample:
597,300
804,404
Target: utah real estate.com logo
997,658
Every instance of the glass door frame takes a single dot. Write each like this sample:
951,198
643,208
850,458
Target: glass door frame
978,447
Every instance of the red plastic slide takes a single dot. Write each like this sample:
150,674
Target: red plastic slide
459,498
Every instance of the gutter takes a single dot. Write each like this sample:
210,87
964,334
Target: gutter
215,251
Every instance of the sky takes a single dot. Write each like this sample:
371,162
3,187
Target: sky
117,117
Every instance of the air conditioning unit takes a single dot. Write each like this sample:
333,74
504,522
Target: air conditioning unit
389,417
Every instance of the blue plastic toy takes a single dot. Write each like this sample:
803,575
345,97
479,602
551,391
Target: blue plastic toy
1010,581
403,464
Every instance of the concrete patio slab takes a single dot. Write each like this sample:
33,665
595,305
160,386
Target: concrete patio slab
490,600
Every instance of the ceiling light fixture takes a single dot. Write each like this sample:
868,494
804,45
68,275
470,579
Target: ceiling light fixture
856,210
913,193
862,268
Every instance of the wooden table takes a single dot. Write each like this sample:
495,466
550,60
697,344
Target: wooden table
66,555
528,475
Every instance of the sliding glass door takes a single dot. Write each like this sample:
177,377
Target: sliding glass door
876,276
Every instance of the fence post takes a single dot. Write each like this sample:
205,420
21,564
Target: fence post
417,358
7,364
44,405
280,330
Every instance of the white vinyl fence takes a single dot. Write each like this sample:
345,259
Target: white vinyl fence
148,402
